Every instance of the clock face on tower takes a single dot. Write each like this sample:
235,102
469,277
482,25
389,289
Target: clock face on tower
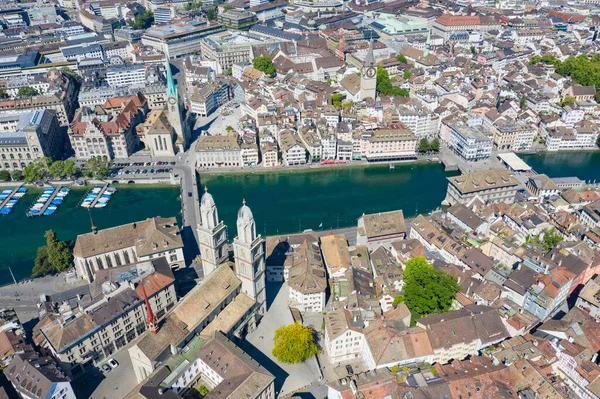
371,72
172,100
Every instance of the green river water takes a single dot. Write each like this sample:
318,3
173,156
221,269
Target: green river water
282,202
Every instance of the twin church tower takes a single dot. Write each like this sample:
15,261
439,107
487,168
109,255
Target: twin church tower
249,249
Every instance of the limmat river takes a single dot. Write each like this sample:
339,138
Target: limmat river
282,202
584,164
289,202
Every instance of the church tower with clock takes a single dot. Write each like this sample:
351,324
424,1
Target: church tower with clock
368,75
174,109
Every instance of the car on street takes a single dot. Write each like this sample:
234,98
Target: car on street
349,369
113,363
106,368
189,193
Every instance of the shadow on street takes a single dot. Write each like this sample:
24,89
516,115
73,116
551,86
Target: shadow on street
272,291
190,246
87,383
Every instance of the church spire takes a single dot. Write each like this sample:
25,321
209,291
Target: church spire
152,322
171,86
427,43
370,59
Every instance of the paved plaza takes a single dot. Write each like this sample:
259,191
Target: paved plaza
113,385
259,344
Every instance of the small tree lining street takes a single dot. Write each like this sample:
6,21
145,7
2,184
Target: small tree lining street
97,167
294,343
44,169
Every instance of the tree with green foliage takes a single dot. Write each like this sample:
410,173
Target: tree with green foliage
55,256
583,69
473,50
59,253
348,104
434,145
423,145
4,175
203,390
384,84
192,5
294,343
56,169
212,13
401,58
97,167
550,237
143,20
568,100
545,59
3,93
264,64
27,91
523,102
398,300
42,266
336,99
16,175
227,7
427,290
70,169
229,71
63,169
329,81
37,171
407,74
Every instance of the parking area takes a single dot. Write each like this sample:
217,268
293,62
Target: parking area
141,169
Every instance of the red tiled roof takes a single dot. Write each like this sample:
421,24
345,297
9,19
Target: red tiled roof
458,20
